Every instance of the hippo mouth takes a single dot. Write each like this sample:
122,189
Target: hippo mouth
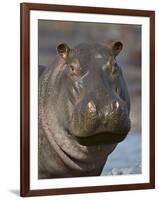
101,138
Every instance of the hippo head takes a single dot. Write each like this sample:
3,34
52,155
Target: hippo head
95,94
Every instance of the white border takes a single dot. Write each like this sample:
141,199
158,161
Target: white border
91,181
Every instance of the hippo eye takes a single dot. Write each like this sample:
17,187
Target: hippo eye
75,71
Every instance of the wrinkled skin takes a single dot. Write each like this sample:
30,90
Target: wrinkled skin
83,110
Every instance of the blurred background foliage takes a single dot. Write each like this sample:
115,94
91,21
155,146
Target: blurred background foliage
52,33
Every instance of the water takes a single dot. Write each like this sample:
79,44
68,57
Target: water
126,157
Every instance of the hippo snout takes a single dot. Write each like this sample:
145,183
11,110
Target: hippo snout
107,127
110,122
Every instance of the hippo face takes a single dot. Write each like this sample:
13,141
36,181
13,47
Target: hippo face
95,94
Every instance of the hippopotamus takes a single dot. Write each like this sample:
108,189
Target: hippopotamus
84,109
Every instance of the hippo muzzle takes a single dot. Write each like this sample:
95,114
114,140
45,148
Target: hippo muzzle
107,126
94,123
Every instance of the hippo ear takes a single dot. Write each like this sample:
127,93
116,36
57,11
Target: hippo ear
116,48
63,50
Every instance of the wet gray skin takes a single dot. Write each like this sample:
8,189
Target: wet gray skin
84,110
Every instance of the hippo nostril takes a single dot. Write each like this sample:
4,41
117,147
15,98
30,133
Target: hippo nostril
114,105
91,107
